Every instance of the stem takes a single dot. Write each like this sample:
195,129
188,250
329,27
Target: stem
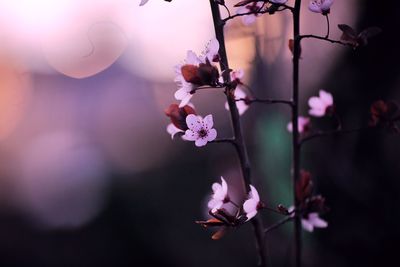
266,101
238,134
334,132
295,133
278,224
328,25
312,36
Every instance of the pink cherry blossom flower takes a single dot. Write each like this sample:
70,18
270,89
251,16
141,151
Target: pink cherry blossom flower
320,106
220,195
142,2
237,75
200,130
252,204
303,125
211,51
313,221
253,7
241,105
187,89
320,6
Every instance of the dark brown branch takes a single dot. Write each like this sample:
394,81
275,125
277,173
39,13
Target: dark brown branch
237,129
295,133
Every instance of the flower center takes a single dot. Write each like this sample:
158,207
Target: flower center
202,133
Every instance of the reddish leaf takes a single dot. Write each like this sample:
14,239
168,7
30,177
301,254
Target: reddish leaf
190,74
178,115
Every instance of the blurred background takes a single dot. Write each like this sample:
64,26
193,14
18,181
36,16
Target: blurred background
90,177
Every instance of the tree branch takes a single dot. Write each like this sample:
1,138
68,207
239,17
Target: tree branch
237,129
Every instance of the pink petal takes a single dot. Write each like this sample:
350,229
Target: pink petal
250,205
214,204
181,93
315,220
315,102
317,112
326,5
185,100
194,123
314,7
254,194
212,134
216,187
172,130
307,225
326,97
191,135
250,215
224,186
191,58
201,142
290,127
208,122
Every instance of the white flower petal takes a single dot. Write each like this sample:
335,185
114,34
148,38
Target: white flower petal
254,193
200,142
172,130
290,127
317,112
251,215
214,204
307,225
314,7
326,5
326,98
211,135
315,102
185,100
216,187
224,186
191,135
315,220
194,123
192,58
208,122
181,93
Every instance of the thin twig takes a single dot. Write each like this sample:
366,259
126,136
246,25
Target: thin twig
224,140
312,36
278,224
257,12
328,26
334,132
266,101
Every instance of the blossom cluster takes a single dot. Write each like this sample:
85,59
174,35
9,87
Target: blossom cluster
195,73
224,219
320,106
